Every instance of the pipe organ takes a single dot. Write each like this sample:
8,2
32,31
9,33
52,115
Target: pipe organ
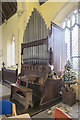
35,85
36,28
36,54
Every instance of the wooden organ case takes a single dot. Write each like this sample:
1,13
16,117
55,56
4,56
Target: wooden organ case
34,84
38,52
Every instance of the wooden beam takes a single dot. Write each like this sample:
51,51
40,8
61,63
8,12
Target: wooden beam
8,7
3,14
34,43
15,5
4,9
42,1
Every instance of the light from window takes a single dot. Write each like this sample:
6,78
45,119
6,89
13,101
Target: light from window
67,40
77,19
75,11
13,50
75,41
64,25
68,23
73,20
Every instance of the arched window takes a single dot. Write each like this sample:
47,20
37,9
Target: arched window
11,51
71,26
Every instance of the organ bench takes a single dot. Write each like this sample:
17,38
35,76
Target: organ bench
23,92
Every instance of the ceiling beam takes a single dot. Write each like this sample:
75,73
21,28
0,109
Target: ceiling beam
4,14
7,9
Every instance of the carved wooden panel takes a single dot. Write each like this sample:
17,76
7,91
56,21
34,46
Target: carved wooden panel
9,76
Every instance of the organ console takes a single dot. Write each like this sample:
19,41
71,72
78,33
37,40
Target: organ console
34,84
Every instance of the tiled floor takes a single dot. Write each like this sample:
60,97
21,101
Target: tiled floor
73,111
42,115
4,91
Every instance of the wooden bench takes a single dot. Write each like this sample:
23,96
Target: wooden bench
9,76
23,92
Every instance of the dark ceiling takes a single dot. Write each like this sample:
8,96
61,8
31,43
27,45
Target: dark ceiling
7,9
42,1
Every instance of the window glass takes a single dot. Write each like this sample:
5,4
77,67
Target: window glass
71,38
75,11
68,23
77,18
73,20
75,41
64,25
67,40
13,50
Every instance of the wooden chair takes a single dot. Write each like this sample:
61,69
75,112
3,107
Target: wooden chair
60,115
7,107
